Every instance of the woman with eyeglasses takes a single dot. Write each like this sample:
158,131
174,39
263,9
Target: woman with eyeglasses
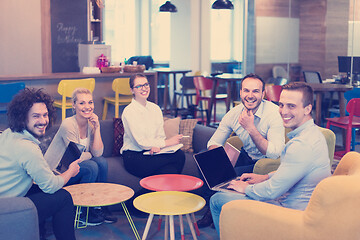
144,131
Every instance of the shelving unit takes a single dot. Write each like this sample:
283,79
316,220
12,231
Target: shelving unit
94,21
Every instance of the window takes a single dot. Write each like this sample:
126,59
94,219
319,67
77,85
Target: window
120,28
226,33
160,32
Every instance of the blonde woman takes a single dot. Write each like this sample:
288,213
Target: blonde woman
82,128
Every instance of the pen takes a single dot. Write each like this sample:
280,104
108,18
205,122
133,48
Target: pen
185,136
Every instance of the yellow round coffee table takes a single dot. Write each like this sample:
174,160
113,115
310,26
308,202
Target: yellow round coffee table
100,194
169,203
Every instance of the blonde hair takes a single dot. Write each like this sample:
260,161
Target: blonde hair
76,92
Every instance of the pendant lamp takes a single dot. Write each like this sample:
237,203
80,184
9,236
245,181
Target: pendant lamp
222,4
168,7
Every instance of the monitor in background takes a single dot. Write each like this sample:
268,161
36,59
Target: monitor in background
345,64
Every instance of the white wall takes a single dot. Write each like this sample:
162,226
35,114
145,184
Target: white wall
277,40
20,38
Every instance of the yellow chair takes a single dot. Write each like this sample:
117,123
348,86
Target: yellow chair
123,96
66,88
333,211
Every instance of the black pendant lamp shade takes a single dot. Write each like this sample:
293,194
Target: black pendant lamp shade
168,7
222,4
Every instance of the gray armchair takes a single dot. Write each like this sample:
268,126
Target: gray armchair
18,219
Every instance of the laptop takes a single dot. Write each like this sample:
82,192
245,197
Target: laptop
232,152
72,153
216,169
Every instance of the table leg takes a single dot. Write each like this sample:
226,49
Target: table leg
147,226
191,226
181,227
166,92
212,100
166,227
128,216
159,222
78,209
174,96
318,109
172,231
342,108
228,99
195,224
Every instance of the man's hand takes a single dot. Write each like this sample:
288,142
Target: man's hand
154,150
246,120
253,178
238,185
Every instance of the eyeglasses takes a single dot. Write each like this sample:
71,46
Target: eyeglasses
145,85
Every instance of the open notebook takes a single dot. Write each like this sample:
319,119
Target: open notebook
170,149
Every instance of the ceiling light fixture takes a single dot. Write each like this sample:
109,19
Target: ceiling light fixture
222,4
168,7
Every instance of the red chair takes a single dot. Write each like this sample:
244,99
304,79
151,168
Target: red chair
272,92
202,84
347,123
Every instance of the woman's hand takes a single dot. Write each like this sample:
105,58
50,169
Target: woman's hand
94,120
154,150
173,140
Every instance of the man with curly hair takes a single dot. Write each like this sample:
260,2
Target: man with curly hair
23,170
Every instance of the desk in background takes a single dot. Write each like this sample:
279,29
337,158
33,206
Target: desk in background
167,72
320,88
230,79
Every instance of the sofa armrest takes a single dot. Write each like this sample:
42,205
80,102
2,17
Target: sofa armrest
201,136
18,215
248,219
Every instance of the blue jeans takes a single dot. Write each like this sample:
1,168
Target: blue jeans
92,170
218,200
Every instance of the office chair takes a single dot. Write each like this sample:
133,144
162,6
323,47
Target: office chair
272,92
312,77
203,84
347,123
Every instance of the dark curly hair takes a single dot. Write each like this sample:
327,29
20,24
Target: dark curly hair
21,104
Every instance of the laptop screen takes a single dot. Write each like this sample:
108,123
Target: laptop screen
215,166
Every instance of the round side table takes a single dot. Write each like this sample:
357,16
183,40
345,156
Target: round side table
173,182
97,195
169,203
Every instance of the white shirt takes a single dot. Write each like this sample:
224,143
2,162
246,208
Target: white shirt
143,126
267,121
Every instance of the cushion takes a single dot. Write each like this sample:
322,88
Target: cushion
118,136
171,127
187,129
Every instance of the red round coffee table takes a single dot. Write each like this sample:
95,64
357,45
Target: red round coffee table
173,182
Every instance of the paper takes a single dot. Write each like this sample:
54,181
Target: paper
170,149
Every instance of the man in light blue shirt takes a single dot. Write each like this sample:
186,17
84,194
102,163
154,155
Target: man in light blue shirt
304,160
257,123
22,164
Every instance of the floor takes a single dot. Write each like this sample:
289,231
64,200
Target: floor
121,230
